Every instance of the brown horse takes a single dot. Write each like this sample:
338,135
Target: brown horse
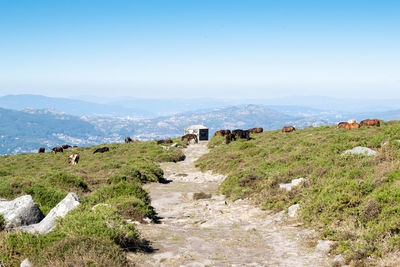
128,140
42,150
168,141
288,129
256,130
190,137
374,122
349,126
58,149
229,138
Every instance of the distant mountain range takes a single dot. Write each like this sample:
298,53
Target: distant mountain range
70,106
29,122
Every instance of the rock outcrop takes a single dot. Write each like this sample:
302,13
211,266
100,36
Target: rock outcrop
360,150
294,182
20,211
70,202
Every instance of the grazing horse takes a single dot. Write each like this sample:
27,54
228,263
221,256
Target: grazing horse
256,130
229,138
101,150
73,159
168,141
342,124
374,122
288,129
222,132
42,150
128,140
237,132
58,149
190,137
354,125
66,146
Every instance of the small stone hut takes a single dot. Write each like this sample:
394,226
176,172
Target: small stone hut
200,130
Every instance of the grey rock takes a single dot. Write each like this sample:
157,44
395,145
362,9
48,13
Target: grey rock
292,210
324,246
294,182
339,260
25,263
20,211
70,202
360,150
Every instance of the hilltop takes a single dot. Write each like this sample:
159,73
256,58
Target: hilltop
350,199
87,235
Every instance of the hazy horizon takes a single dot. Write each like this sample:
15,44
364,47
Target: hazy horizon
218,49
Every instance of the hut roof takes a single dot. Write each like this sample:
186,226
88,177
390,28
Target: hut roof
198,126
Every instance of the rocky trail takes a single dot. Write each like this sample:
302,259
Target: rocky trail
219,232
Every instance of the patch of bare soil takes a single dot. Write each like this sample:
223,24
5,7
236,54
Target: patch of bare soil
218,232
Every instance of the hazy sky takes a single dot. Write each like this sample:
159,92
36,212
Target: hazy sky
198,48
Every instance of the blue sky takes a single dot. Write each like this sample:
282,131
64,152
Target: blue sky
200,48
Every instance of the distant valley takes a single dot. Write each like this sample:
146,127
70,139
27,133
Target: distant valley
29,122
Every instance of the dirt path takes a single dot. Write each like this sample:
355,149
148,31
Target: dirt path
218,232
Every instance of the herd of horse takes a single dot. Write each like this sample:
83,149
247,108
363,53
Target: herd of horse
352,124
238,133
229,136
245,134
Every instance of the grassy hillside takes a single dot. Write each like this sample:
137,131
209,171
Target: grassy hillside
353,199
86,236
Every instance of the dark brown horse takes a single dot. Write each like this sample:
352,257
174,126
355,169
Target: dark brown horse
58,149
288,129
168,141
229,138
42,150
374,122
66,146
190,137
222,132
128,140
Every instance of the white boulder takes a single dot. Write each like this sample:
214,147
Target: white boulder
294,182
292,210
70,202
20,211
360,150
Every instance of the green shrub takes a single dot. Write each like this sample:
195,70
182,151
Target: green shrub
46,197
2,222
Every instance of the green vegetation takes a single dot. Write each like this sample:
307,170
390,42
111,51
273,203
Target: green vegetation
92,234
352,199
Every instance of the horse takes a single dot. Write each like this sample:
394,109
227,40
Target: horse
288,129
190,137
168,141
348,126
368,122
42,150
256,130
229,138
128,140
58,149
101,150
222,132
